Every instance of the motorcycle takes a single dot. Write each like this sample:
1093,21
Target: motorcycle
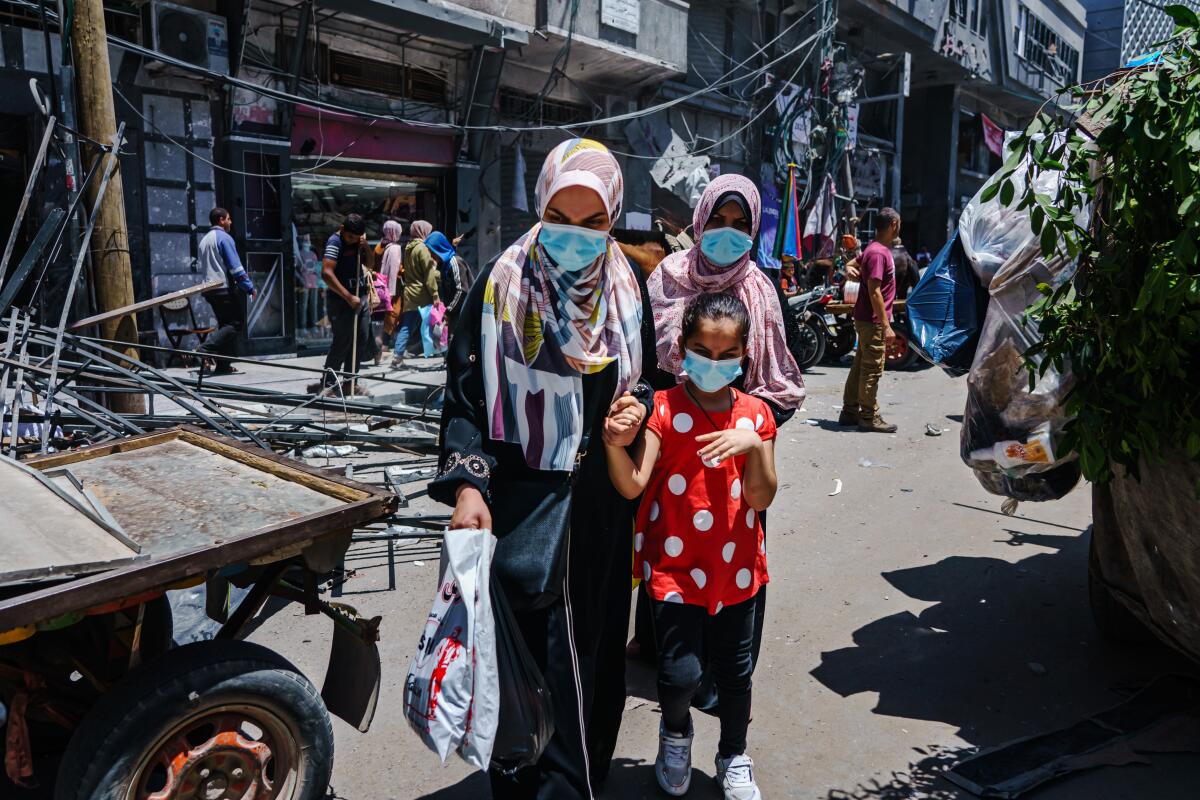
808,308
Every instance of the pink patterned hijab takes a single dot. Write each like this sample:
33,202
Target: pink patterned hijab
771,373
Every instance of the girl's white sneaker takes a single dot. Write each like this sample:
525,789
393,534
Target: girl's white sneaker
736,777
673,767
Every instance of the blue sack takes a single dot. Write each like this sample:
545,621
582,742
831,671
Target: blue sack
946,310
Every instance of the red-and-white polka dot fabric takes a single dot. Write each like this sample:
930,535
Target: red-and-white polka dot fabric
697,540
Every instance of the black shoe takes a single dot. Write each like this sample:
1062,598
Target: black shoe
877,425
847,420
315,386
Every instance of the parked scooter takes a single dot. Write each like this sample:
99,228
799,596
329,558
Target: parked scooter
809,310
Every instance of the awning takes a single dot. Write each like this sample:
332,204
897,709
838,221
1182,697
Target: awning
325,134
427,19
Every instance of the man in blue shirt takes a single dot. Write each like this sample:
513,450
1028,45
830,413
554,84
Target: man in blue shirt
218,257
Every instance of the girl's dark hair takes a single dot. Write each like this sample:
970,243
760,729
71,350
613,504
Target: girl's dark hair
714,306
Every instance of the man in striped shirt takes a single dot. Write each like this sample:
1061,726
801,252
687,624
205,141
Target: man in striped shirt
346,253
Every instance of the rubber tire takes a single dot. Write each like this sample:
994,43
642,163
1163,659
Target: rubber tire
1115,622
905,361
108,744
840,345
808,360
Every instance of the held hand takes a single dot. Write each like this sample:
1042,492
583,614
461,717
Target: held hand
727,444
471,511
620,431
889,335
628,406
355,303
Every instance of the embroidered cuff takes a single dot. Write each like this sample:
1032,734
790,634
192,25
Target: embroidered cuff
475,464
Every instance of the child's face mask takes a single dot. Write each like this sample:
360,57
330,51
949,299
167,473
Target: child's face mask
708,374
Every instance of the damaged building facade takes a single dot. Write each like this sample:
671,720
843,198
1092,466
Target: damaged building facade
379,87
938,77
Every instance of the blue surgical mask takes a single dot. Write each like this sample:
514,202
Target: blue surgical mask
723,246
573,248
708,374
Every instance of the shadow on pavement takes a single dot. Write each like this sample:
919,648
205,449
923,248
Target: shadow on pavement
922,779
476,787
1007,650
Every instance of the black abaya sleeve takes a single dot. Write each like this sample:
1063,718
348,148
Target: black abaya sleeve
463,459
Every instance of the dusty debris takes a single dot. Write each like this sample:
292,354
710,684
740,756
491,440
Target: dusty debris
837,487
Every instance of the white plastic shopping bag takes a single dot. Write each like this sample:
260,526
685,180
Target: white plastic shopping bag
484,713
455,657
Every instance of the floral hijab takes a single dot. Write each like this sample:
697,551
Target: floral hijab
543,327
771,371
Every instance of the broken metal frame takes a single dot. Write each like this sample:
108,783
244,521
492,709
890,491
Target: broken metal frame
113,161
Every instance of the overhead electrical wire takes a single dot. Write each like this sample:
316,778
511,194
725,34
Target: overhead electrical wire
729,78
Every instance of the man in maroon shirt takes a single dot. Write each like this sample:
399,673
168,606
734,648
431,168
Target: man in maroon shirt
873,324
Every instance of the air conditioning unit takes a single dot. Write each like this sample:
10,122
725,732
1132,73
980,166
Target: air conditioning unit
188,35
614,106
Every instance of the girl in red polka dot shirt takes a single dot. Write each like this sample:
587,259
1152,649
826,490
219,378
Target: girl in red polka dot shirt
706,464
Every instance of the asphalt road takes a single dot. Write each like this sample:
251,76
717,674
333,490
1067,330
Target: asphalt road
909,621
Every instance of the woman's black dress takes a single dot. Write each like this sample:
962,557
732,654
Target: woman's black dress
579,641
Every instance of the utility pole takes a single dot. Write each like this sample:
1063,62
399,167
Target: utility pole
111,266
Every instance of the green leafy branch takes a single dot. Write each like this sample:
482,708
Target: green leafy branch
1128,326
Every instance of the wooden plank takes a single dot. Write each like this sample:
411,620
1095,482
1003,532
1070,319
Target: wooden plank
78,595
144,304
96,451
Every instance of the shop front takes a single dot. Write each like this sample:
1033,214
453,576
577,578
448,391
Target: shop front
344,165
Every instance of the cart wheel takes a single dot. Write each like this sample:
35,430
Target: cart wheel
1115,622
217,719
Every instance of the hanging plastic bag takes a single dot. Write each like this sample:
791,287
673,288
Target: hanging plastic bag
440,684
1011,433
426,331
526,712
992,233
946,310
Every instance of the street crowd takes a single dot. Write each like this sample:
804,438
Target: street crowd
594,418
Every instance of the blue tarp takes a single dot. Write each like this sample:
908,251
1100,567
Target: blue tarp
946,310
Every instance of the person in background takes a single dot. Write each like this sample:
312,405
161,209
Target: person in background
218,257
873,325
449,276
924,259
346,253
420,289
381,312
907,273
391,255
310,271
706,446
787,277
